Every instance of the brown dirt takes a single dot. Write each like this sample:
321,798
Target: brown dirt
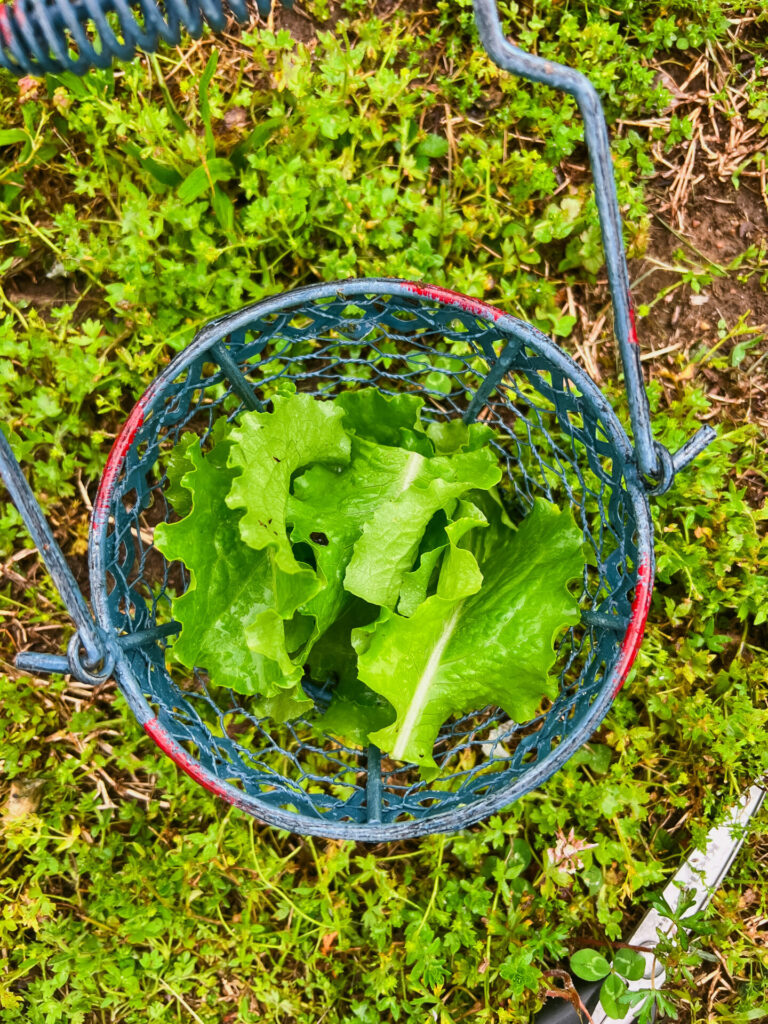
720,222
32,285
301,26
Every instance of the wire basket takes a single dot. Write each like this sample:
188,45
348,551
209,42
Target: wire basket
556,437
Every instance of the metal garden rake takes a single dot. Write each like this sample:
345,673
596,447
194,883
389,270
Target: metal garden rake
557,437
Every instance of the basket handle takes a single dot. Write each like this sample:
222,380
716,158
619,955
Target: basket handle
92,654
654,461
88,635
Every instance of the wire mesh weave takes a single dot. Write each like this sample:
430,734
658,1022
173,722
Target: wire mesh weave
556,437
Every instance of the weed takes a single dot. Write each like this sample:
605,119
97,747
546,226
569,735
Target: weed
137,203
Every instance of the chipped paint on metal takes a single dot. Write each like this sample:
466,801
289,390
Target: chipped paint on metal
117,455
185,761
636,627
632,333
474,306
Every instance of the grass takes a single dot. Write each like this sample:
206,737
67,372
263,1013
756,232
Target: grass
139,202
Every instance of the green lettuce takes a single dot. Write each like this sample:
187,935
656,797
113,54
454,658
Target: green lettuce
485,637
349,542
269,448
354,711
390,539
329,511
228,614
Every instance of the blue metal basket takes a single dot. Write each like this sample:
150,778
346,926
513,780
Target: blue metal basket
557,437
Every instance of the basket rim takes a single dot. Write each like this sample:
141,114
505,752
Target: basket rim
539,772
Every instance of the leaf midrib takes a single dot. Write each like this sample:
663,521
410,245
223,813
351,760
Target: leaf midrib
418,700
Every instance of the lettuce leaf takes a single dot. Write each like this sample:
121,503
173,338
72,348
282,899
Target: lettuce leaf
240,615
180,463
390,539
470,645
329,509
354,710
229,623
449,436
364,521
355,713
391,420
269,448
417,584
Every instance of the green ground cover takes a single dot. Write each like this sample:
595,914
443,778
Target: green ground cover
137,203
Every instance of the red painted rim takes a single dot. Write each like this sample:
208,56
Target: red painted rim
119,451
446,295
636,628
185,761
